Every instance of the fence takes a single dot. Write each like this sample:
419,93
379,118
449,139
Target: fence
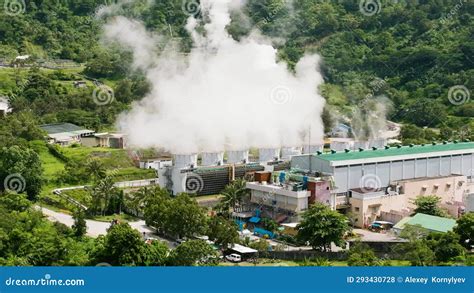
137,183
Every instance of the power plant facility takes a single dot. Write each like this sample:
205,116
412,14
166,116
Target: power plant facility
369,179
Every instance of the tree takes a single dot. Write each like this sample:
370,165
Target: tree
234,194
269,224
445,246
185,217
360,254
101,194
193,252
80,226
465,230
322,226
121,246
222,231
429,205
20,171
156,253
416,250
260,245
14,201
96,169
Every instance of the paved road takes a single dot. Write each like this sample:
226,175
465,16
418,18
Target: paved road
96,228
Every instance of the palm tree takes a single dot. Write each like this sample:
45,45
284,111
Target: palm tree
234,194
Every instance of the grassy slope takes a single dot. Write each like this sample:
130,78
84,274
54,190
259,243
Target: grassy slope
116,161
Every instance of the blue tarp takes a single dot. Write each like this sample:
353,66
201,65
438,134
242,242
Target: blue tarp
254,220
263,232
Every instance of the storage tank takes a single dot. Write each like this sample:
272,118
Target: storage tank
238,157
212,159
268,155
288,152
185,160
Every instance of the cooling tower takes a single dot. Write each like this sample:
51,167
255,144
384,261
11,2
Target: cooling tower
378,143
360,144
288,152
236,157
268,154
185,160
212,159
341,145
311,149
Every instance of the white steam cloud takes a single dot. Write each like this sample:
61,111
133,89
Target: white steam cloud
223,95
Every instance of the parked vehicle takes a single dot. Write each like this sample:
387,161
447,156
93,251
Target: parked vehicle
234,257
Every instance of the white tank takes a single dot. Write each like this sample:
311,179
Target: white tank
212,159
237,157
311,149
268,154
288,152
378,143
185,161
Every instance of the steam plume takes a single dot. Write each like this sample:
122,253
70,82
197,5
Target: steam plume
224,95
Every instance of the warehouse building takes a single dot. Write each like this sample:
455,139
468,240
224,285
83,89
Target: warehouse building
65,133
378,168
381,184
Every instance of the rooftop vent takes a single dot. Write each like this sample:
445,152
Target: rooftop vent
411,145
433,143
387,147
361,149
374,148
347,150
333,151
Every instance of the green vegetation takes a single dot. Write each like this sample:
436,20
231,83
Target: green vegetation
429,205
322,226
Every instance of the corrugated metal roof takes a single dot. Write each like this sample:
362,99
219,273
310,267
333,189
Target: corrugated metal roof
433,223
63,128
396,151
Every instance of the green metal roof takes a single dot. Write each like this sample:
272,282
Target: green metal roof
61,128
395,151
432,223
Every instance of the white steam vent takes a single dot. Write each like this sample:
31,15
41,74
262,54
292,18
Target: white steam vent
223,93
238,157
212,159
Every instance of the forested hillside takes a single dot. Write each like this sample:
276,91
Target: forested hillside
411,52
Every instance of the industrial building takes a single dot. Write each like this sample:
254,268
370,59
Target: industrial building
379,167
106,139
209,172
381,183
283,195
65,133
